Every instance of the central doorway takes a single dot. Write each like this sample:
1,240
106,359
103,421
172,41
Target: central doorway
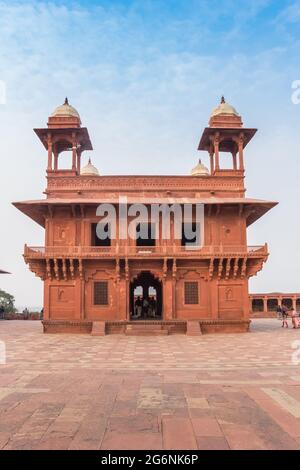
145,297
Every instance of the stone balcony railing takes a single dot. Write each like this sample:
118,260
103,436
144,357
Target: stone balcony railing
94,252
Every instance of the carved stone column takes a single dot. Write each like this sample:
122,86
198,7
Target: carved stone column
49,143
78,163
216,149
211,158
234,160
55,158
241,152
74,148
126,293
174,279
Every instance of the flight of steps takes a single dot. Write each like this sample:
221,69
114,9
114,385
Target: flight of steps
98,328
136,329
193,328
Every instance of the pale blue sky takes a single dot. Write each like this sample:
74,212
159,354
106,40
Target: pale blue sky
144,76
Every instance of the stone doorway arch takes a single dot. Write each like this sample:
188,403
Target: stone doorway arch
146,286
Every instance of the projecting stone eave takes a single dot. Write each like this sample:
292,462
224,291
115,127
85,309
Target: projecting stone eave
38,210
205,141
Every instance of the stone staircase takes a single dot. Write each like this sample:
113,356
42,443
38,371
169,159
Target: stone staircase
98,328
139,328
193,328
136,329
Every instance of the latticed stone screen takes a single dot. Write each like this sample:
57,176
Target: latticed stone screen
101,293
191,294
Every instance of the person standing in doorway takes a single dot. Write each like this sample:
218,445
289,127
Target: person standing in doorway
145,307
138,307
152,309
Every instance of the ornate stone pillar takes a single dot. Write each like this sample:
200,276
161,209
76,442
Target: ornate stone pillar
174,279
74,151
49,142
55,158
234,160
117,284
216,149
241,152
82,283
46,305
126,294
78,163
211,158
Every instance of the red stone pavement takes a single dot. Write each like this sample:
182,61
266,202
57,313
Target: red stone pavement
236,391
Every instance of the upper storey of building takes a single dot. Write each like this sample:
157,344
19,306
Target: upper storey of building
225,133
77,186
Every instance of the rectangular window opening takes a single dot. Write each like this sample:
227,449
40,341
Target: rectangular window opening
101,293
145,234
95,240
195,228
191,294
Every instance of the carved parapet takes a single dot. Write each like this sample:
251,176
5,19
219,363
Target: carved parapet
223,262
130,183
158,251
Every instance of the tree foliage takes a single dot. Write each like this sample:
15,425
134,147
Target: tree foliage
7,301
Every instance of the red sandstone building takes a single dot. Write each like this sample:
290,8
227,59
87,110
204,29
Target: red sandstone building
91,285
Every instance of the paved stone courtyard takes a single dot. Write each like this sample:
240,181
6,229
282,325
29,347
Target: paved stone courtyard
237,391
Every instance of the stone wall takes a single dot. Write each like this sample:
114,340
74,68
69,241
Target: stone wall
21,316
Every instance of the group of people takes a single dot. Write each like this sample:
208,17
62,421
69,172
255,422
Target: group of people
146,307
283,314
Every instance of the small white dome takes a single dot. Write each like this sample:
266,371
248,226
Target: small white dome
224,108
89,170
200,170
65,110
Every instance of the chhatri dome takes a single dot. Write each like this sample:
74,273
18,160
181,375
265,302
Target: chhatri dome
65,110
224,108
200,170
89,170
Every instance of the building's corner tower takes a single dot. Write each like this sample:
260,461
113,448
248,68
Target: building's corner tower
228,214
64,133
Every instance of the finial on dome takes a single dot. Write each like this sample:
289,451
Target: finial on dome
89,169
200,169
66,110
222,112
